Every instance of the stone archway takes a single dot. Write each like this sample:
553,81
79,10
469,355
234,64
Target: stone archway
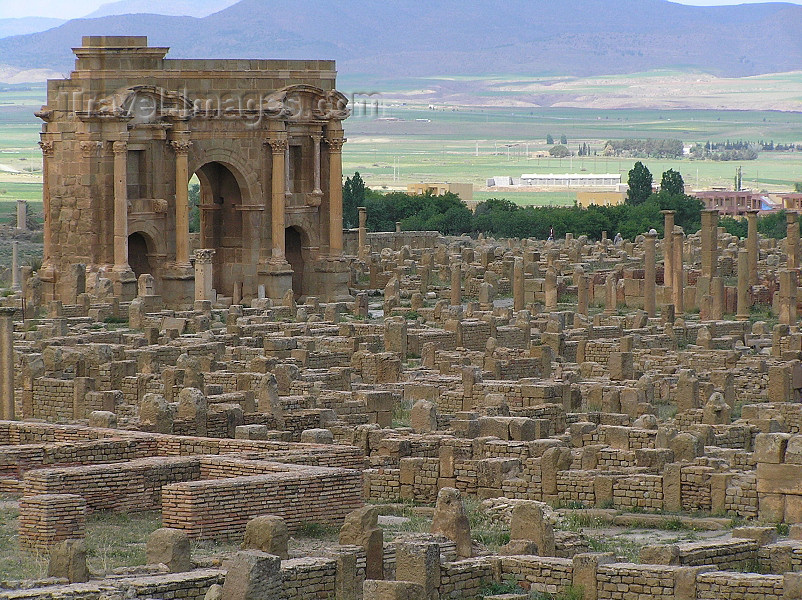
139,254
221,226
293,251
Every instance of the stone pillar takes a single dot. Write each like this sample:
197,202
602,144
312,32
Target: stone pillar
398,226
752,245
788,285
709,243
456,284
47,153
679,280
278,147
550,290
668,253
203,274
7,363
518,284
649,277
15,285
316,137
610,295
582,295
743,285
120,150
362,239
288,187
792,239
22,214
181,148
335,195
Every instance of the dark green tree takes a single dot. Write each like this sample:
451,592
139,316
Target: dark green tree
353,198
194,211
549,140
672,182
640,184
563,140
559,151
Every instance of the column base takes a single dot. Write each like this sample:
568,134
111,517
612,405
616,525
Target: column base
277,279
329,280
124,283
176,285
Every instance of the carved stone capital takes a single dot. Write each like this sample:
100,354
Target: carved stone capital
278,145
89,148
316,137
336,144
47,147
204,255
180,146
119,147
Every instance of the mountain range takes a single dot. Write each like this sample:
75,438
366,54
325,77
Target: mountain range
419,38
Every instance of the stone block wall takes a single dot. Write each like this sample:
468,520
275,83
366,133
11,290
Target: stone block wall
47,519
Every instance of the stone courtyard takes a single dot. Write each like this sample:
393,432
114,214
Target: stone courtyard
430,418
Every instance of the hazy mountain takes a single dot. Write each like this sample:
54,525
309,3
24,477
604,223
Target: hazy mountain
25,25
420,37
191,8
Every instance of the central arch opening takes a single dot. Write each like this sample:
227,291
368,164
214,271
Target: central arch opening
220,224
293,251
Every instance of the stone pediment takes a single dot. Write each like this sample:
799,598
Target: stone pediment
307,103
141,104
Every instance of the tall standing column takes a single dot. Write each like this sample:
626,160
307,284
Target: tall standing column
22,214
752,244
181,148
518,283
120,207
278,147
335,195
7,363
668,253
649,277
362,238
15,285
456,283
743,285
47,147
709,243
678,283
316,155
792,239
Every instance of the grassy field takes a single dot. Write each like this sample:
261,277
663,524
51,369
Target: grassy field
413,140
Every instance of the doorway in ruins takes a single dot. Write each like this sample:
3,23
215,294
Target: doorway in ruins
293,250
138,258
220,225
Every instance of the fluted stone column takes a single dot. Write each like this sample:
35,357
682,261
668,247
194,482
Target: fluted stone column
278,147
743,285
120,150
679,280
7,363
335,196
203,274
47,147
668,253
181,148
752,245
649,277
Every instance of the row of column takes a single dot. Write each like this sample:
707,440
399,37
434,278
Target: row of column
280,189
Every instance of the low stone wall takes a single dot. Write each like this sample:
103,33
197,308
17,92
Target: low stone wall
47,519
220,508
739,586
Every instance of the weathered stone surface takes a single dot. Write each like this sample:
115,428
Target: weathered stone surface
268,534
451,520
170,547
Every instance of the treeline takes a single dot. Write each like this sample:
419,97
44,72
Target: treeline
772,225
772,147
644,148
724,151
502,218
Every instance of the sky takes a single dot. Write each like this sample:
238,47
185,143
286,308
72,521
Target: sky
72,9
